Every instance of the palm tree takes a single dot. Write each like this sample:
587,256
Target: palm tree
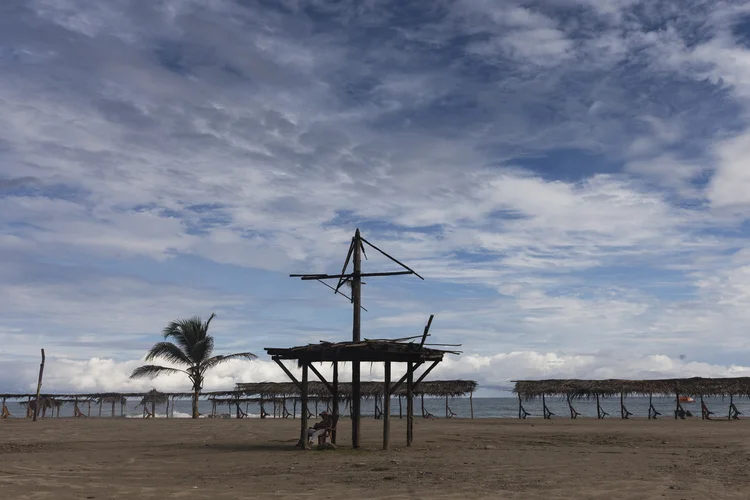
193,349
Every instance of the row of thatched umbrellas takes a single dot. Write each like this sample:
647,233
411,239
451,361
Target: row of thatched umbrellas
274,393
680,388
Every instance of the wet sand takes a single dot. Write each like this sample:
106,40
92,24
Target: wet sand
237,459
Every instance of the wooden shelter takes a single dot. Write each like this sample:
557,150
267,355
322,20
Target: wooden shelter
386,351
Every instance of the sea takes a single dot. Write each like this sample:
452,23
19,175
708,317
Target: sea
500,407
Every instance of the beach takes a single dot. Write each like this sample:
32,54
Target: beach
489,458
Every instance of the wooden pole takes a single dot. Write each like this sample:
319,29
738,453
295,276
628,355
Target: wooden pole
622,406
400,410
387,407
409,404
39,386
731,402
165,416
703,414
335,396
303,416
519,405
113,408
88,414
446,406
100,408
677,403
357,303
471,404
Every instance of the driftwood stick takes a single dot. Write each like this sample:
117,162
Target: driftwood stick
39,386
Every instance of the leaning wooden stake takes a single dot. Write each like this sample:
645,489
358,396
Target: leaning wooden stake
39,386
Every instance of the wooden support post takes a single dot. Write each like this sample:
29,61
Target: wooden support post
731,402
421,397
677,403
400,410
303,417
356,336
167,414
88,413
471,404
100,408
335,395
519,406
387,407
113,408
39,386
622,406
153,409
409,404
446,407
703,413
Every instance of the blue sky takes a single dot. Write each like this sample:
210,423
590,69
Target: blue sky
569,176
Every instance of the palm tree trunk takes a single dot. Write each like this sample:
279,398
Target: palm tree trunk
195,403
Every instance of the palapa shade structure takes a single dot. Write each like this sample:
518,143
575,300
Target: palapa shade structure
387,351
154,398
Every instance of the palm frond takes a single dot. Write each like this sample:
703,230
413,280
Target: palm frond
217,360
169,352
208,322
203,349
152,371
186,332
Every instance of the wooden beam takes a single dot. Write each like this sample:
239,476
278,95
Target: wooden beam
426,372
403,379
392,273
39,386
346,264
308,277
387,407
426,329
288,373
325,382
412,271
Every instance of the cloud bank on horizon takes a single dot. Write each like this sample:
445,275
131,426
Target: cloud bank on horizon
568,175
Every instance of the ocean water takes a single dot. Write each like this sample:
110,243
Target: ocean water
483,408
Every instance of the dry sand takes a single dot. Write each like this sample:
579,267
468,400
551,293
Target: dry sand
218,459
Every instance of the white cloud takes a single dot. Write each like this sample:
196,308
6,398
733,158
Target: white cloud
175,158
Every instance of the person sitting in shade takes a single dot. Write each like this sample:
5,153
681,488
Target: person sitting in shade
319,428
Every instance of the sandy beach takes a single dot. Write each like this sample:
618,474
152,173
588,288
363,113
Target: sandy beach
237,459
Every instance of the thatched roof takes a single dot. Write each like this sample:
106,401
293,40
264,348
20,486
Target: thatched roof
576,388
154,396
269,390
366,350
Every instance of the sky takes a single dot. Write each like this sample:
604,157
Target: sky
568,175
